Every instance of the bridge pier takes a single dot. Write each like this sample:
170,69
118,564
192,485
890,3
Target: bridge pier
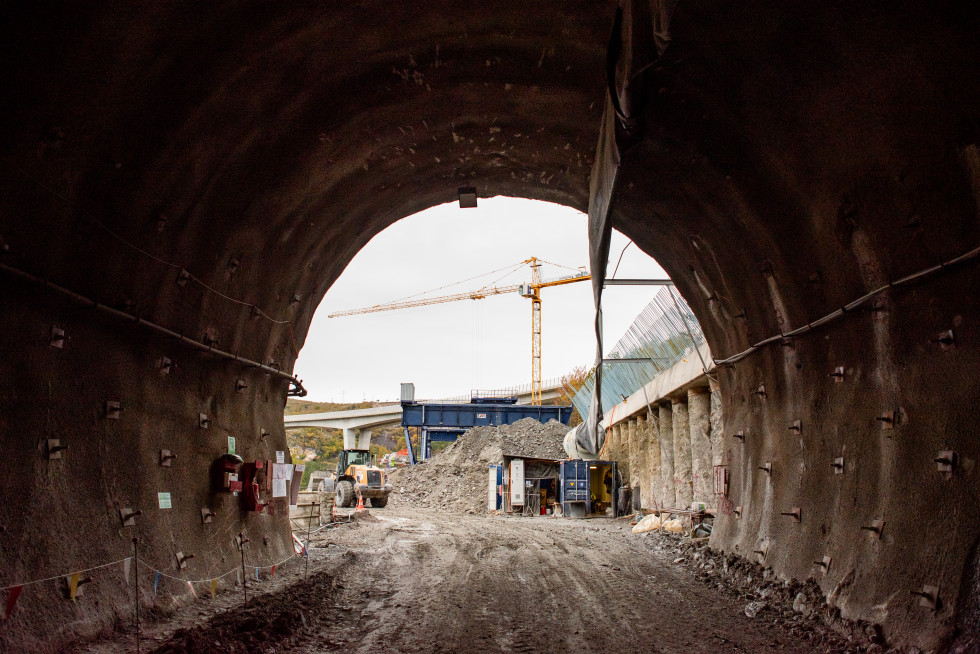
357,438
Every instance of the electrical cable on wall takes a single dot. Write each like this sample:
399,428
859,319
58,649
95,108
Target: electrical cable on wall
88,215
298,390
847,308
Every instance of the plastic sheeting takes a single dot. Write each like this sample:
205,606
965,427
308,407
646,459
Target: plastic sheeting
641,33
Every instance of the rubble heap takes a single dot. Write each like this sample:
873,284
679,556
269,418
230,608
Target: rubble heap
798,607
456,478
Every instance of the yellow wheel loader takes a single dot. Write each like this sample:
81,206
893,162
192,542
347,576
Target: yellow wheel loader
356,474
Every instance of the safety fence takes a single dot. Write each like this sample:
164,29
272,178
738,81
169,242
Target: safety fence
663,334
74,581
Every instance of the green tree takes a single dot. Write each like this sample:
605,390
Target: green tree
570,383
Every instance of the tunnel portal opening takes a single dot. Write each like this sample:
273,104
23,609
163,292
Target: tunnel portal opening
436,299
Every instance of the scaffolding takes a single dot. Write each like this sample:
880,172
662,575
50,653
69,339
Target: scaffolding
664,333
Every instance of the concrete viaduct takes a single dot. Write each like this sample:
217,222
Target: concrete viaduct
358,423
183,181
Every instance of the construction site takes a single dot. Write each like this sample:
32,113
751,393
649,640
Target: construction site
436,569
779,454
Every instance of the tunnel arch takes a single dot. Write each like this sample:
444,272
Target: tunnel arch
428,255
791,160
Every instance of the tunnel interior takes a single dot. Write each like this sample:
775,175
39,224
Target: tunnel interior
212,169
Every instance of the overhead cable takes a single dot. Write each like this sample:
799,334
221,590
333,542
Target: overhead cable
847,308
297,391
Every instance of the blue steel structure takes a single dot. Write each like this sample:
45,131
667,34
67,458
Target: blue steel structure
446,422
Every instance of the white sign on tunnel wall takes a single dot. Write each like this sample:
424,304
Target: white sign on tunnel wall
517,482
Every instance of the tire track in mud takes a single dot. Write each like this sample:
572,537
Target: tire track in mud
425,581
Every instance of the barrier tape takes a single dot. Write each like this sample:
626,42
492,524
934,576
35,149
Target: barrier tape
127,562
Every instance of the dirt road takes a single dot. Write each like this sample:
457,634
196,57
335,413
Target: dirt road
500,584
422,581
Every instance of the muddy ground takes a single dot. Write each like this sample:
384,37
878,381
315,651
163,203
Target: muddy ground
419,580
433,572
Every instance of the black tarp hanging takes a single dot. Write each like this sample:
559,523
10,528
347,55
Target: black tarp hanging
641,33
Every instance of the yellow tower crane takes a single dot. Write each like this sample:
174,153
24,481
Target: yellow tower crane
531,290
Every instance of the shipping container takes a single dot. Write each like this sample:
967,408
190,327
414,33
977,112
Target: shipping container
589,488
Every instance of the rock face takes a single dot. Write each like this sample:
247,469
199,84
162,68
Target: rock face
213,167
455,479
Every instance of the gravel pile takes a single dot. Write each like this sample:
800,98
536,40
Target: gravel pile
456,478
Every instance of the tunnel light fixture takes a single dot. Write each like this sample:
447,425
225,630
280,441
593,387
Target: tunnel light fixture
467,197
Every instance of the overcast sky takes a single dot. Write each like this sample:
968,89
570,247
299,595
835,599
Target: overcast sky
449,349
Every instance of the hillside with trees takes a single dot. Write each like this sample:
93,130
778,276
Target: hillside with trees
571,382
318,447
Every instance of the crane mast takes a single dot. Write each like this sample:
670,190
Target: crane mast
535,296
532,291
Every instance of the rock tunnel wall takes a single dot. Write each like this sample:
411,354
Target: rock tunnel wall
792,159
63,515
212,169
850,200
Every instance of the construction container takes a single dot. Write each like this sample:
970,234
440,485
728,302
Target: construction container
589,488
529,484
